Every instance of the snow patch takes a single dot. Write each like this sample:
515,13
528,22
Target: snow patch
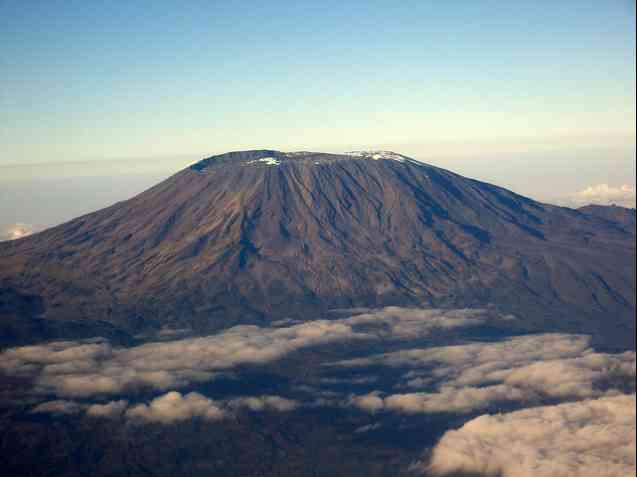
268,161
379,155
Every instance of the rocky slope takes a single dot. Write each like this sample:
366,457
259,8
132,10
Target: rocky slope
254,236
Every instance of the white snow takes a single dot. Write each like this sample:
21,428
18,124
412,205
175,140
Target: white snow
379,155
268,161
373,155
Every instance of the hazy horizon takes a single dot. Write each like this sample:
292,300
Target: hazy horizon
37,196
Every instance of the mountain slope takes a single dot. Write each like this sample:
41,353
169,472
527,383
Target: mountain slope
260,235
613,213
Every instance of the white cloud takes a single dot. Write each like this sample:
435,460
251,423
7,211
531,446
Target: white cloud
446,400
458,358
407,323
57,407
371,402
604,194
173,407
16,231
111,410
94,367
593,438
452,399
264,403
526,368
170,407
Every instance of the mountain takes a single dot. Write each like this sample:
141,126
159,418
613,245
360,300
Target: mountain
257,236
612,213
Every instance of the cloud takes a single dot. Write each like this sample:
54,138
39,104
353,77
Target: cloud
411,323
371,402
16,231
459,358
111,410
446,400
173,407
264,403
452,399
170,407
58,407
604,194
594,438
526,368
94,367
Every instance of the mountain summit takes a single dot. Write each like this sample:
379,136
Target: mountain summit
254,236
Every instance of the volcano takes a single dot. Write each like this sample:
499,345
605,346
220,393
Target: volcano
256,236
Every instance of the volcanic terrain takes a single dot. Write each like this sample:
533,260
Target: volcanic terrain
256,236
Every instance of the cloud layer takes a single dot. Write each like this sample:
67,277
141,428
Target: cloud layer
527,368
169,408
93,367
594,438
604,194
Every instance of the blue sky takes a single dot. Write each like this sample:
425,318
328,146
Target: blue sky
538,84
87,80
